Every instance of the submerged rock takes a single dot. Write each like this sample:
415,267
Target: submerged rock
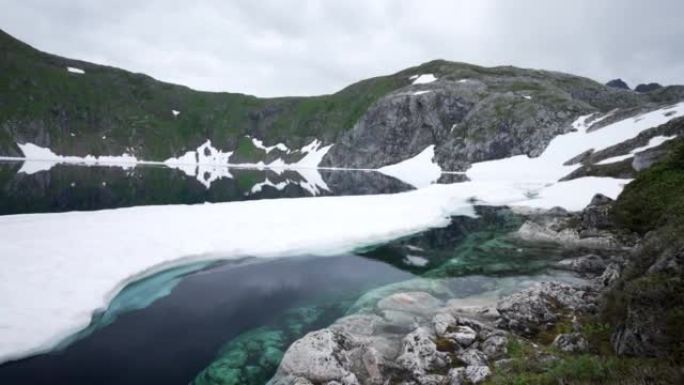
417,302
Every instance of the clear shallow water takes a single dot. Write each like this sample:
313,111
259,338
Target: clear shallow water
65,187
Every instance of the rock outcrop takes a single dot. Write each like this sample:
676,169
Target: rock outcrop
588,229
618,83
647,87
542,305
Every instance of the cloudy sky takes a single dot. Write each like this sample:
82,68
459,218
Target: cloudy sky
304,47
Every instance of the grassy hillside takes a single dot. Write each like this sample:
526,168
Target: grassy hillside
109,111
41,101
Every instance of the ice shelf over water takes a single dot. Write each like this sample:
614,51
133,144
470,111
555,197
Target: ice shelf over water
57,269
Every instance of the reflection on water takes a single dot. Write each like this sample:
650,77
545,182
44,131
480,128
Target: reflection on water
26,188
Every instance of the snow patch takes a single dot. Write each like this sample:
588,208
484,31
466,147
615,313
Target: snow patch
175,112
548,167
653,142
260,144
419,171
423,79
75,70
421,92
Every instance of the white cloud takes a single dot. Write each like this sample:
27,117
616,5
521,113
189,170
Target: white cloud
300,47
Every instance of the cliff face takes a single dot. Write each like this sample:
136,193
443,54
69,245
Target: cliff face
469,113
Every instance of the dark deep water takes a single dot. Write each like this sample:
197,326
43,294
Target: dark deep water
173,339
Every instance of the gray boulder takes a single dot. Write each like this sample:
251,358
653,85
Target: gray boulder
587,265
609,276
472,357
540,306
495,346
319,356
571,343
419,353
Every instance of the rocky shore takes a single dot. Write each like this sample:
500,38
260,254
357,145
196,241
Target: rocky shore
412,337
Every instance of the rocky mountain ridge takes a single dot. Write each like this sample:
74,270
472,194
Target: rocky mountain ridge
469,113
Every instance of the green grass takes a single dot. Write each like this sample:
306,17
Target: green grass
656,198
36,91
532,366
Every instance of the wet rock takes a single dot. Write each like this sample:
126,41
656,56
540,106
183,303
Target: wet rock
571,343
540,306
495,346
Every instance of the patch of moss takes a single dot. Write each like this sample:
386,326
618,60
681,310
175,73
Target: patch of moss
655,198
546,336
445,344
584,370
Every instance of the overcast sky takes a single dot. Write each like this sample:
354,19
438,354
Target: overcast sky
300,47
